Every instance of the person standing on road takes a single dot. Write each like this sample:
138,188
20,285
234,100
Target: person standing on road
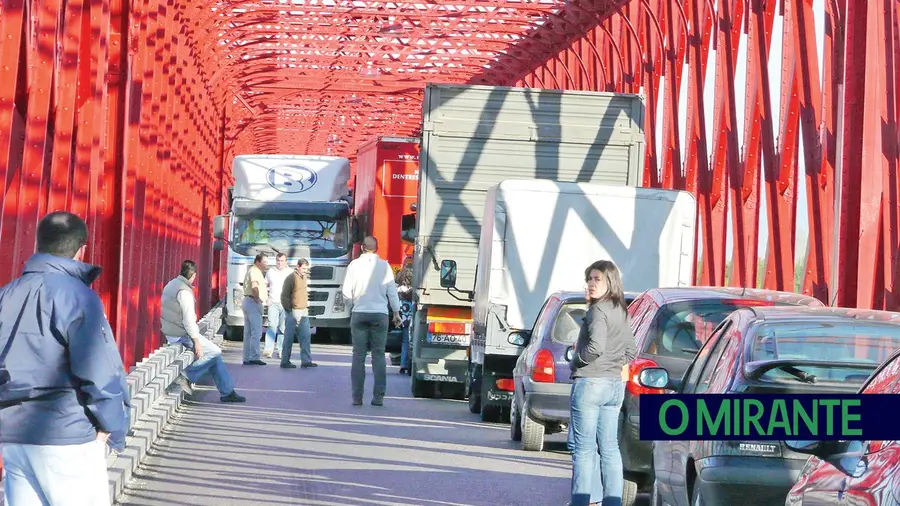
63,393
275,279
255,295
604,348
178,321
294,298
404,290
369,286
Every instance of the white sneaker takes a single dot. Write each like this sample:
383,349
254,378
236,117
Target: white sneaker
267,354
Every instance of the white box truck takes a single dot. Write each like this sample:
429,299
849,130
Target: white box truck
537,237
299,206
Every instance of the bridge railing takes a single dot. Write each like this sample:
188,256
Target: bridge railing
154,398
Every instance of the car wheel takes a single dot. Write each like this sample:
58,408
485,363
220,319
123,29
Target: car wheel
532,431
515,421
629,493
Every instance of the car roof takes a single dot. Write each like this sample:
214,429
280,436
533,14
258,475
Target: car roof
571,295
776,314
671,295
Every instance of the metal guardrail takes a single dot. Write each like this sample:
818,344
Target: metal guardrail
154,399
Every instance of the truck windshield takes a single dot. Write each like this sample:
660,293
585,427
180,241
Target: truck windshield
291,235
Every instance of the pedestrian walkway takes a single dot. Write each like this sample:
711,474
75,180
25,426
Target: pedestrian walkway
298,440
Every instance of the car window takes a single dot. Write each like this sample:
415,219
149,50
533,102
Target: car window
731,353
865,343
568,323
637,311
693,373
544,318
706,374
681,328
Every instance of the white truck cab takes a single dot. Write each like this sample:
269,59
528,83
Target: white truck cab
299,206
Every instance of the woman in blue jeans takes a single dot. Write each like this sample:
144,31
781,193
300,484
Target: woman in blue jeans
605,346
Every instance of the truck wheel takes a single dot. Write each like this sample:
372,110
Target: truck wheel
532,432
474,398
515,422
231,333
422,389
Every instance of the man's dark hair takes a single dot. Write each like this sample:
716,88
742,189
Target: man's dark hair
259,258
61,234
302,262
281,255
188,268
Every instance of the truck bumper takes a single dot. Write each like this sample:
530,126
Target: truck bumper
441,370
331,323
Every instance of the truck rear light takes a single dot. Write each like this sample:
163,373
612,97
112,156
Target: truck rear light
506,384
544,370
448,328
634,370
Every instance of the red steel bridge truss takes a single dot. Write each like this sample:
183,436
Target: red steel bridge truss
128,112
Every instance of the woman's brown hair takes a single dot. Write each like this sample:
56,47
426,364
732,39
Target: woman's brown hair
615,292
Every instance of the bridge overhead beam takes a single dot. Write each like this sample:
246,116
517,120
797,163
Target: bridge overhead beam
747,101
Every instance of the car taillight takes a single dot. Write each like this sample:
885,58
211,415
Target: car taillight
505,384
634,371
747,302
544,370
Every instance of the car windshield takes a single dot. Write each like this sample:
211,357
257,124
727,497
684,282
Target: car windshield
681,328
867,344
293,235
568,323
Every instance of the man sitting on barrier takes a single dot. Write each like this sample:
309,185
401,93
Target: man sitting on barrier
179,325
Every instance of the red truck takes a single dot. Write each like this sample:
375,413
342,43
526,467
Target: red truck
387,184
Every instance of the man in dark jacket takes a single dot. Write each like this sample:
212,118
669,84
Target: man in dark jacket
63,394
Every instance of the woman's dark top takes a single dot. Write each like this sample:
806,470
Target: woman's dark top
605,342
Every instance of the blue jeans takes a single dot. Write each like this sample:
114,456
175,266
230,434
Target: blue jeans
292,327
404,349
253,318
211,362
596,478
65,475
277,322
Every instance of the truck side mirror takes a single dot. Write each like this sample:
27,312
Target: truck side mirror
218,245
220,225
448,273
408,228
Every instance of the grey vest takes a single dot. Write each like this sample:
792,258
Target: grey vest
172,321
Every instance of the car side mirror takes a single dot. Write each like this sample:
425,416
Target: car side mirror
519,338
218,245
654,377
220,226
354,230
448,273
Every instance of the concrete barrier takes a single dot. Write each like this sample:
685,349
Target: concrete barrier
154,399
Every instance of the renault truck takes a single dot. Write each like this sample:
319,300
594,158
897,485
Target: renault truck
299,206
474,137
537,238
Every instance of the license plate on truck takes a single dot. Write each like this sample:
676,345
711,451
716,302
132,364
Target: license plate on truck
449,339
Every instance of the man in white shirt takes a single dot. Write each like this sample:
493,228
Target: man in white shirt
275,278
179,324
369,287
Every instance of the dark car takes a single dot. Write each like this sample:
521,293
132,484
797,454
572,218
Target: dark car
541,384
670,325
763,350
853,472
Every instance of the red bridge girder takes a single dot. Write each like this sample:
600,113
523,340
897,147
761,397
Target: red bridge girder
129,114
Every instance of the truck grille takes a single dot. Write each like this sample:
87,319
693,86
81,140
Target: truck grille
316,310
321,272
318,296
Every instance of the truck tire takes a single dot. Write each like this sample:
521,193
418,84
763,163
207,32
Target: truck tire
473,388
515,422
422,389
532,432
489,412
231,333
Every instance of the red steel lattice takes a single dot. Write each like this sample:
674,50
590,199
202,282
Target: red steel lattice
129,113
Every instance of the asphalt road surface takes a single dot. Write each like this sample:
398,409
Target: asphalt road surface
298,440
